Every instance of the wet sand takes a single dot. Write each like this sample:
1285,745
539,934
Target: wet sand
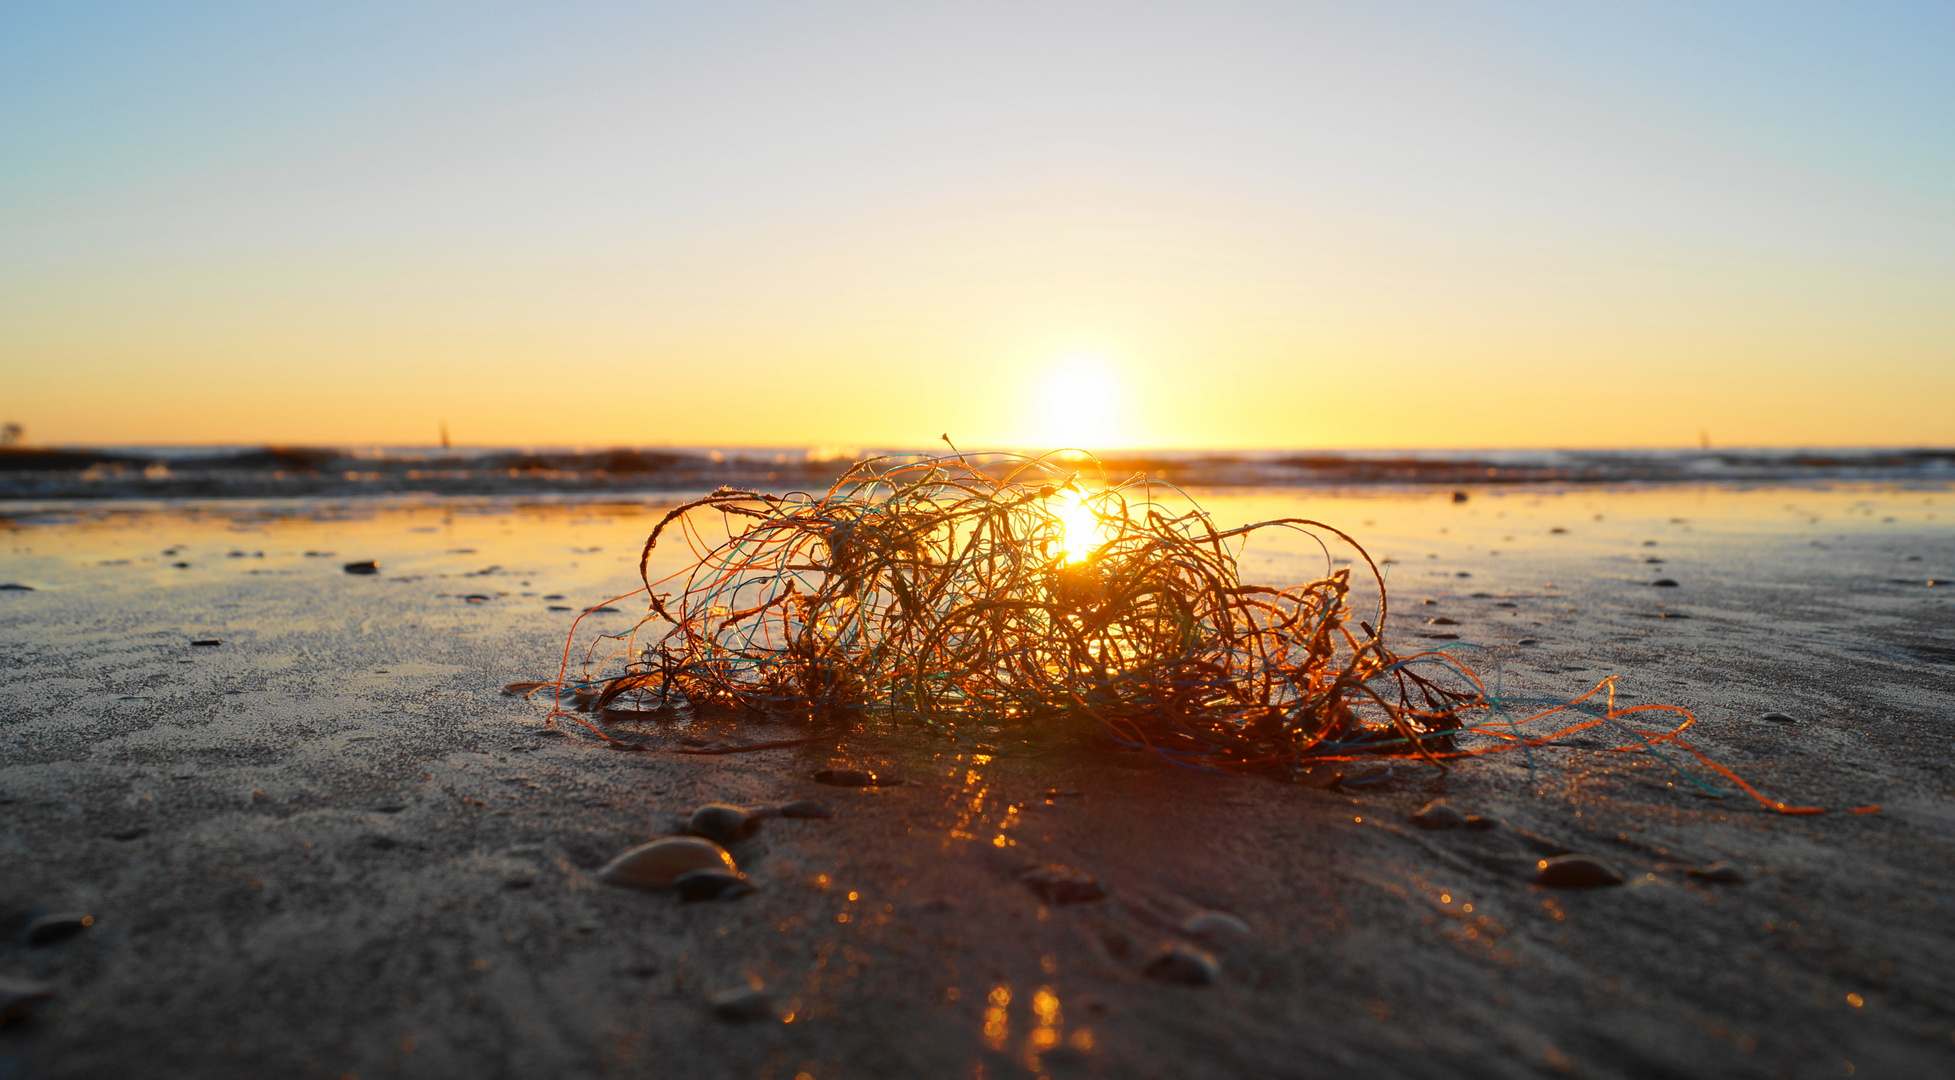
330,846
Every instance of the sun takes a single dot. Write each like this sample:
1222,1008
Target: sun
1078,403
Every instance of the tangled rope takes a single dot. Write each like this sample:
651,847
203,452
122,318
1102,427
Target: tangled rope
1014,592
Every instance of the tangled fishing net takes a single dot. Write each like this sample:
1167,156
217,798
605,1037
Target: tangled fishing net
1020,594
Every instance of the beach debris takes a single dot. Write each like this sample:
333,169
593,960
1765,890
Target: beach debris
723,824
1437,815
1575,872
367,567
1057,884
854,778
15,586
805,808
1459,496
1717,873
742,1004
207,643
711,884
17,994
476,598
655,865
516,689
1442,621
57,927
1780,718
1183,964
1215,925
1664,583
1002,597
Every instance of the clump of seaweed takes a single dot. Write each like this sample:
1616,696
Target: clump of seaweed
1031,595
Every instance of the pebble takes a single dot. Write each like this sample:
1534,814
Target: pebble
1779,718
744,1003
14,586
1720,873
723,824
1183,964
805,808
1063,885
17,994
1663,583
127,834
207,643
854,778
655,865
1442,621
1459,496
1437,815
1214,924
1576,872
1529,641
60,926
711,884
367,567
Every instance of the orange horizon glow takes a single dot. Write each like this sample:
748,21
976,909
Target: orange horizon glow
1178,226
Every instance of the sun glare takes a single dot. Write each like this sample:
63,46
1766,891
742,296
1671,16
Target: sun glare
1078,404
1084,531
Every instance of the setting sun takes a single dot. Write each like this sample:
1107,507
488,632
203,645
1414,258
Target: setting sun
1078,404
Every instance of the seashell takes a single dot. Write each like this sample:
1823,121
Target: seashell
655,865
1214,925
1063,885
743,1003
854,778
1576,872
1438,815
17,994
805,808
723,824
60,926
1720,873
711,884
1183,964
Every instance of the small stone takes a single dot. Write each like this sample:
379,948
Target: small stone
207,643
805,808
854,778
1663,583
49,929
1438,815
1528,641
14,586
476,598
1459,496
1442,621
1719,873
1779,718
127,834
655,865
723,824
1183,964
1214,924
744,1003
1063,885
711,884
1575,872
367,567
17,994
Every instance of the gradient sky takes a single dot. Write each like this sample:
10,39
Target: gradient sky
1200,224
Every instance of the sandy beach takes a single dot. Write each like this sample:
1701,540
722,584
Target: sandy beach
331,846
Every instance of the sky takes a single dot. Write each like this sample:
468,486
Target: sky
1518,223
